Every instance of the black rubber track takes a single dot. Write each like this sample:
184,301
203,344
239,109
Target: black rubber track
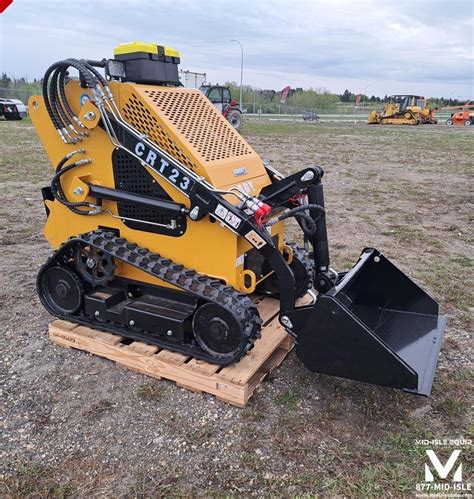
208,290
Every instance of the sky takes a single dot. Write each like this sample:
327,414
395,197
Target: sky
367,46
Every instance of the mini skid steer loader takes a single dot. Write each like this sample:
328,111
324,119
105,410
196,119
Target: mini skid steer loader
165,221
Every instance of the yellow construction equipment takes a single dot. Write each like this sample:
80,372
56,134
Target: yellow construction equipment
166,224
404,110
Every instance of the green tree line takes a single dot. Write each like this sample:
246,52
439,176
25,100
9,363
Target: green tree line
311,98
18,88
348,96
320,98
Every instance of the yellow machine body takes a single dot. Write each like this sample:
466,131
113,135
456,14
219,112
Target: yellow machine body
165,220
412,110
185,124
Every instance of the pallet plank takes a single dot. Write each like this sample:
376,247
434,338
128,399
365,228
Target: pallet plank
173,358
62,325
305,300
142,348
274,361
242,371
202,366
233,384
268,308
288,343
107,338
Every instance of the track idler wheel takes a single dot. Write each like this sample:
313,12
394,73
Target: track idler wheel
219,333
60,290
95,266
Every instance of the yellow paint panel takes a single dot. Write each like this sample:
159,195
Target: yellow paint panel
185,124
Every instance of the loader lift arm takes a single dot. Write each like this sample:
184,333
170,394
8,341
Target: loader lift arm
204,201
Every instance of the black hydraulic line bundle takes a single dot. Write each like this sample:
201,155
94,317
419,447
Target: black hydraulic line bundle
307,223
62,116
57,190
60,112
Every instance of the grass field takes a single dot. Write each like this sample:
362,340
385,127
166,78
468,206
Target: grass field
74,424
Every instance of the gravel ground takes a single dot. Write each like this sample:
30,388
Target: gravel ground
75,424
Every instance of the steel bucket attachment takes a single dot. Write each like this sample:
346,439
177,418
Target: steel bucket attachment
375,325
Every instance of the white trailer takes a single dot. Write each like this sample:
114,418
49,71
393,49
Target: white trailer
190,79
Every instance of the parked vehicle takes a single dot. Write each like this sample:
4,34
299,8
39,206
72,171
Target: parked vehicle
310,116
465,118
404,110
12,109
462,115
222,101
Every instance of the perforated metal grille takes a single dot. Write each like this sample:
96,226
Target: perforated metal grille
130,176
198,121
143,120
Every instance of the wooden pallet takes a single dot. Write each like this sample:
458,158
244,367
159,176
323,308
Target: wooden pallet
234,384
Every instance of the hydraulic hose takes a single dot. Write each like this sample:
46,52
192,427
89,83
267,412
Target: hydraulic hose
55,101
59,110
63,99
308,224
56,187
94,71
